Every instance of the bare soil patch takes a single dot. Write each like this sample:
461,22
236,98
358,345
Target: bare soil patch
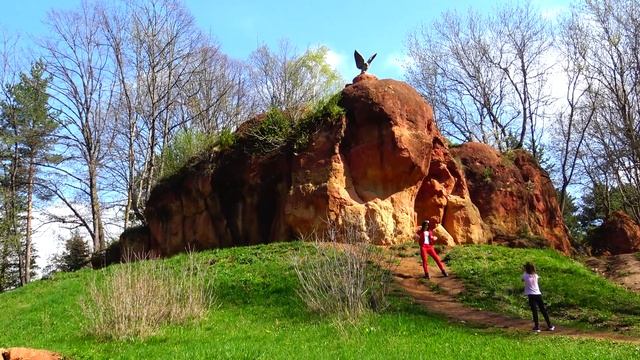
622,269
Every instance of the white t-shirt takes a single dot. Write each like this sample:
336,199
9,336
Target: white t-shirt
531,284
425,235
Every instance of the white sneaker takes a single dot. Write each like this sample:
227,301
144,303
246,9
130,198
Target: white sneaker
552,328
536,330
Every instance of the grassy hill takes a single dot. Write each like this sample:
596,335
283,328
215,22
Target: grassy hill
574,295
257,314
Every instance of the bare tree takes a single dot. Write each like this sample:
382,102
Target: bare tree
169,76
82,89
115,23
166,45
218,95
452,71
291,82
574,120
613,67
486,76
524,39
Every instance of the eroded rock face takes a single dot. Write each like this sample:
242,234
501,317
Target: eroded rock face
513,194
619,234
385,168
230,200
366,170
381,169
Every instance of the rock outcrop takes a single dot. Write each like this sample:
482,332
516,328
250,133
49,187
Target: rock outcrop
513,194
28,354
619,234
380,168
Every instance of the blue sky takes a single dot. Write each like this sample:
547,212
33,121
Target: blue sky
240,26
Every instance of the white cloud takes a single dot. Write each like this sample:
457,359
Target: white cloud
340,63
334,59
551,9
552,13
395,65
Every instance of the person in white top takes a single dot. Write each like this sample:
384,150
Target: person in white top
532,290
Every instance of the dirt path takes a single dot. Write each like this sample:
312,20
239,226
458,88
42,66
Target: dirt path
622,269
438,295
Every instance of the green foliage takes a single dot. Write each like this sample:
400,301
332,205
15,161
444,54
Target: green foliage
603,200
289,82
270,134
27,139
314,63
9,262
573,293
508,157
326,111
186,145
279,129
28,116
260,316
226,139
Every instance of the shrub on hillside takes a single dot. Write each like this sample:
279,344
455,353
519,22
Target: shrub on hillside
185,146
226,139
270,134
135,299
343,276
327,110
279,128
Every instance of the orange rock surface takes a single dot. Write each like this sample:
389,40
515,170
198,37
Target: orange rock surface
28,354
382,167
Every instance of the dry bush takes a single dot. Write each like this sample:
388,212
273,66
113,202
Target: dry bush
342,277
134,299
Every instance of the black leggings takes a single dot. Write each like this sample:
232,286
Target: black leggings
536,301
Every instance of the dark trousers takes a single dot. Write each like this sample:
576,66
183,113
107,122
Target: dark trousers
535,301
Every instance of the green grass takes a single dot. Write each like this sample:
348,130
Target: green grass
258,315
573,294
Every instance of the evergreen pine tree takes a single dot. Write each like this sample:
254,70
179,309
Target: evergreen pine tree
76,254
27,139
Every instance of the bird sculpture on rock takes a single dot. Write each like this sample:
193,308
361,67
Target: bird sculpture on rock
360,63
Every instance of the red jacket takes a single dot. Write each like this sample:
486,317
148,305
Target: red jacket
425,240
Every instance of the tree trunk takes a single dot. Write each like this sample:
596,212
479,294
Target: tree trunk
98,232
13,210
27,241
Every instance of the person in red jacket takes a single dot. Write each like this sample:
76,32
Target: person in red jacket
426,239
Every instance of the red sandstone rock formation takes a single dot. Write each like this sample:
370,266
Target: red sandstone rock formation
514,195
364,77
619,234
383,166
28,354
